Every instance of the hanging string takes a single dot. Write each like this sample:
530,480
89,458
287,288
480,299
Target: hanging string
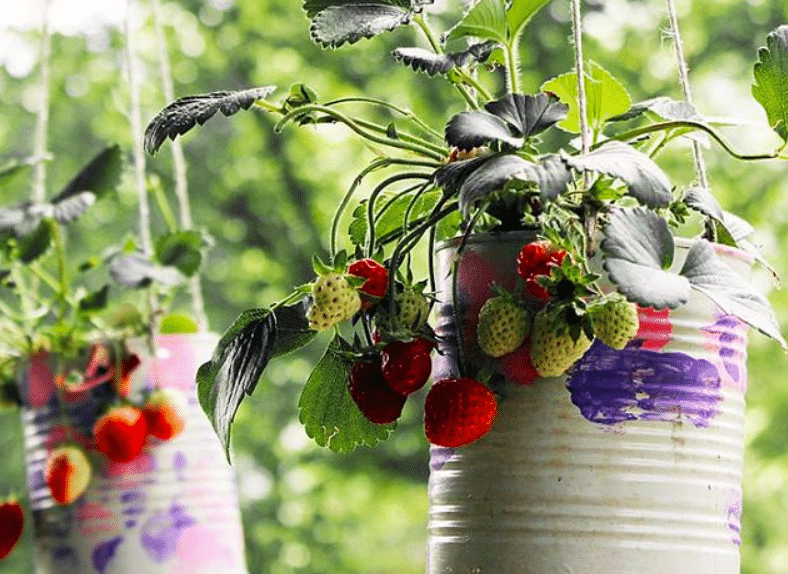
582,103
681,61
178,162
135,112
42,120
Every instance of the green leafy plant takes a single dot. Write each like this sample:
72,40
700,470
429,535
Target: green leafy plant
605,204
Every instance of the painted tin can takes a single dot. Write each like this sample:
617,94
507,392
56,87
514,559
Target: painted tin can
173,509
629,464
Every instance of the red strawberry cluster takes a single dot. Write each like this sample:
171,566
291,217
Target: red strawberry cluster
12,520
380,385
536,260
377,280
456,411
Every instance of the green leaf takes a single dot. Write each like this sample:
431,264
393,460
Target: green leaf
606,97
349,23
327,410
14,167
520,12
95,301
175,323
182,250
394,215
422,60
184,113
486,20
639,250
645,181
771,80
735,296
34,245
100,176
313,7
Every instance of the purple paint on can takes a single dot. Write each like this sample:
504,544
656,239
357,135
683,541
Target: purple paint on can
439,455
130,523
105,552
611,387
161,532
733,511
180,464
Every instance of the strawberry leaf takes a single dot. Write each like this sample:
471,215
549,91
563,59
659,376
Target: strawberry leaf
34,245
182,250
468,130
528,115
349,23
520,13
137,270
732,294
241,356
328,412
639,251
184,113
100,176
771,77
606,97
422,60
645,181
486,20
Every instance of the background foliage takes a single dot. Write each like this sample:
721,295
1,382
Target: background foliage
267,199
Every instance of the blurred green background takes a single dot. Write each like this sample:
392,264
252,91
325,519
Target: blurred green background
267,199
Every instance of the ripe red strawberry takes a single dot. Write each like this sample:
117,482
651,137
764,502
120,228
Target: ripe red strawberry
377,280
372,394
458,411
407,365
536,259
67,473
165,413
120,433
12,520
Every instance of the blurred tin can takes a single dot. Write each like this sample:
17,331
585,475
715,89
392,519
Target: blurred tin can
173,509
631,463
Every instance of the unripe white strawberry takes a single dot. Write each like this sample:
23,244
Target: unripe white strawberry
553,354
503,325
410,313
615,322
334,300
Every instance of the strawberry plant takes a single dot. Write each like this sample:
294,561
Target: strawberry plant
573,162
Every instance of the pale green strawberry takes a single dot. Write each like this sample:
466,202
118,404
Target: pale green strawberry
411,310
615,322
334,300
503,325
552,354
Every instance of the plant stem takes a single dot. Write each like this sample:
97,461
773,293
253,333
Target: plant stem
582,104
179,165
359,130
681,61
146,240
374,195
60,253
512,67
419,20
402,136
406,113
666,126
42,120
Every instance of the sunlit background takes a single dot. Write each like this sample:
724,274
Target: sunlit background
267,198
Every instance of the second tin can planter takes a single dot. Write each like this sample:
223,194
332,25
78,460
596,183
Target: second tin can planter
173,509
631,463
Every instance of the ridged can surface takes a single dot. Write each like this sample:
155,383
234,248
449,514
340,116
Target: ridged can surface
629,464
173,509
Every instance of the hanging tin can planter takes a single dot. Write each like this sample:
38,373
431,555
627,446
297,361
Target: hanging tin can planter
173,508
629,463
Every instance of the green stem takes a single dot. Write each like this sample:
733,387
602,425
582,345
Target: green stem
377,164
665,126
512,66
418,19
164,208
60,254
403,136
471,81
402,111
374,195
354,126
